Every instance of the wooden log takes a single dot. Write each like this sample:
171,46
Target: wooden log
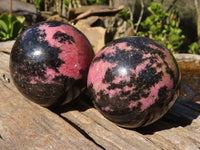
25,125
176,130
188,63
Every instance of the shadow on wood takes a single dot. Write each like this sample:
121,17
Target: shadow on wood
77,104
26,125
178,116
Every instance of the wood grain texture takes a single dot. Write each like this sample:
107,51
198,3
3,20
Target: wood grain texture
25,125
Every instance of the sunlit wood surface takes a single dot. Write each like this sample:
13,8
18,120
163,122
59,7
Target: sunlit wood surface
26,126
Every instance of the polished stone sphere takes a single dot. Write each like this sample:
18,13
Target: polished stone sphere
49,63
133,81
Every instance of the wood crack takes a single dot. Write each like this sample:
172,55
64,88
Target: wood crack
5,52
1,137
83,132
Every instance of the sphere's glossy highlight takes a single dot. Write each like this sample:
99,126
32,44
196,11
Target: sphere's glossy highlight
133,81
49,63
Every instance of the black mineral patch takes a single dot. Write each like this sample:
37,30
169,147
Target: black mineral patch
140,85
108,76
130,59
33,56
63,37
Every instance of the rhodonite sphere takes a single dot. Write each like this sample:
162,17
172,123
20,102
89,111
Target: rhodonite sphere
133,81
49,63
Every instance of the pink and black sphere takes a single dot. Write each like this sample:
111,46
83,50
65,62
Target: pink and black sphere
49,63
133,81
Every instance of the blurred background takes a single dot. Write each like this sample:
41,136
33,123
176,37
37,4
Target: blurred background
173,23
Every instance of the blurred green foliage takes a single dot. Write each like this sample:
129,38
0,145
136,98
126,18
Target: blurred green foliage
10,26
124,14
37,3
92,2
163,27
194,48
67,3
95,2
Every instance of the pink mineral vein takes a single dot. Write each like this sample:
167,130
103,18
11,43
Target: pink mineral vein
76,56
107,108
153,96
168,58
97,73
113,92
49,76
123,46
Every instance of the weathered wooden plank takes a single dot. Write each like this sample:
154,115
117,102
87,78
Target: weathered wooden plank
106,133
25,125
188,63
6,46
179,129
